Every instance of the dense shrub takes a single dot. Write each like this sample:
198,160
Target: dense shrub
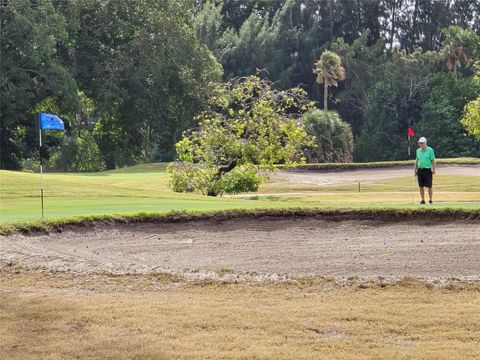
334,140
188,177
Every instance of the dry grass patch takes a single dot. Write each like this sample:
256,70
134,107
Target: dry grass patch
102,317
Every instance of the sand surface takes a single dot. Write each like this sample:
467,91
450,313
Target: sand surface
258,247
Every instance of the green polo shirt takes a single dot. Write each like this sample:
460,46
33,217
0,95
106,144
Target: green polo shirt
425,158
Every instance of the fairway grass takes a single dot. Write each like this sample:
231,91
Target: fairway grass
58,316
67,315
145,189
28,209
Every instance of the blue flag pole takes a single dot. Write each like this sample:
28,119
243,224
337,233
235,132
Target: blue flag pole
47,122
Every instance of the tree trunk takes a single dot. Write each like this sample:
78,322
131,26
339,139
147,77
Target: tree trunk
332,36
325,95
413,31
110,162
392,31
147,143
222,170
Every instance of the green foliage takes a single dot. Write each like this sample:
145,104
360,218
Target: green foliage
383,46
395,103
30,73
182,176
77,150
207,23
365,65
381,137
188,177
471,114
248,123
471,118
139,64
146,68
31,164
441,114
333,136
79,153
147,73
329,68
244,178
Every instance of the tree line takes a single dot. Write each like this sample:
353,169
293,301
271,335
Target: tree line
126,76
129,77
408,63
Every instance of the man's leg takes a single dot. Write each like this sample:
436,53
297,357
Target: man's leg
430,193
422,193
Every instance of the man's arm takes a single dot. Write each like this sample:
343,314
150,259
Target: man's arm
415,167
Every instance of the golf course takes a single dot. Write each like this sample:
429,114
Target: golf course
239,180
346,259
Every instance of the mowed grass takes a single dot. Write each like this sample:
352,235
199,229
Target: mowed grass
145,189
120,192
58,317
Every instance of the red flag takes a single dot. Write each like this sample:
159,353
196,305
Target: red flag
411,133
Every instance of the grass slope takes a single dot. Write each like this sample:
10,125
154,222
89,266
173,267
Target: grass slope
145,189
58,224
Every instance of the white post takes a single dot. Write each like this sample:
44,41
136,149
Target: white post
41,165
409,145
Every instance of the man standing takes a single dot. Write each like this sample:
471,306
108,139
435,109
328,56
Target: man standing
425,169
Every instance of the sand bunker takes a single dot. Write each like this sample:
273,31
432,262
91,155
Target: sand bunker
259,247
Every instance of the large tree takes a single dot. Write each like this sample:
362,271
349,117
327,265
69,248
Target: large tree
248,127
147,73
30,72
139,62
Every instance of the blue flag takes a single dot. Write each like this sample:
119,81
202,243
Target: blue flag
51,122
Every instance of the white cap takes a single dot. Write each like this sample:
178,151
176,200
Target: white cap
422,140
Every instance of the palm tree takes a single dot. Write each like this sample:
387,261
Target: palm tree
458,45
329,71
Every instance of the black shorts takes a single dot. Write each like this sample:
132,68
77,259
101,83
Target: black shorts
424,177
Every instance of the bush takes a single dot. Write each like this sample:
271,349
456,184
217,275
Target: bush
181,176
242,179
188,177
30,164
334,139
